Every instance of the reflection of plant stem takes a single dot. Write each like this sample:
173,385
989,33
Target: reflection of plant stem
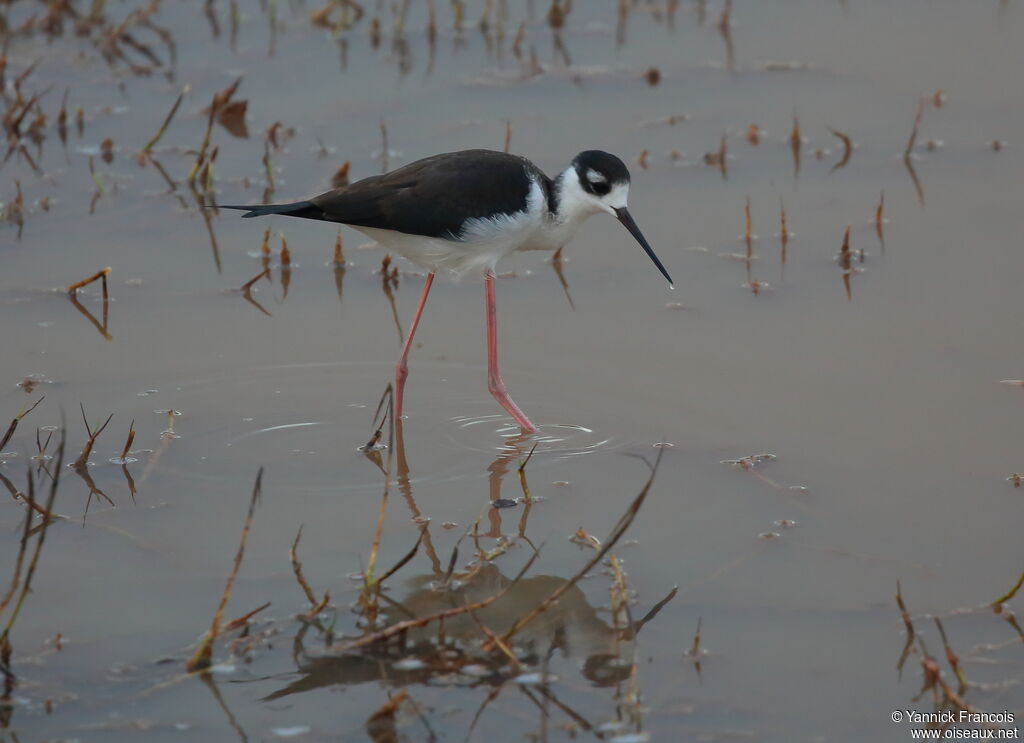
26,586
208,682
613,537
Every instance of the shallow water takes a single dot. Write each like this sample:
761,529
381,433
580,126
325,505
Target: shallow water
884,404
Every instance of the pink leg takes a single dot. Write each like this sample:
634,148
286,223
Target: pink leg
402,367
494,383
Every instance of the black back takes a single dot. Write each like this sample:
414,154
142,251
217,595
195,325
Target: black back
435,196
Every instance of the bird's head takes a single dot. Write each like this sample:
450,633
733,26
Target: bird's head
596,182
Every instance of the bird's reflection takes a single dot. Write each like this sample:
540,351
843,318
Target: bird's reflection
405,488
571,626
601,644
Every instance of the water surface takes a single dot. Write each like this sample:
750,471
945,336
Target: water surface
882,406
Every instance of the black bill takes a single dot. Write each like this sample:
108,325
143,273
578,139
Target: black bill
627,221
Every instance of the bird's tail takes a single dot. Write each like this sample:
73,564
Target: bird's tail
304,209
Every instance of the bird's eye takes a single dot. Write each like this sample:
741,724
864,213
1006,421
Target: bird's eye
600,187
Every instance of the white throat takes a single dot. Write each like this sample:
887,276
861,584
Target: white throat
574,205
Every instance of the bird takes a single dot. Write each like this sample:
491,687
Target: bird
458,213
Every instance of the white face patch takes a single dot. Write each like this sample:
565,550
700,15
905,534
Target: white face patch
574,203
618,196
594,177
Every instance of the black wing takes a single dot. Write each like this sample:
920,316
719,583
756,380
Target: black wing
434,196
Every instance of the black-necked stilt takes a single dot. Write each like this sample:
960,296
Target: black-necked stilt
460,212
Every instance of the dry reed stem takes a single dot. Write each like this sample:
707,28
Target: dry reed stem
654,611
905,616
934,682
748,234
207,177
879,219
847,149
618,599
244,619
201,659
508,135
271,135
268,168
406,558
387,397
340,177
371,585
101,274
316,606
383,146
293,557
522,474
723,154
846,262
795,138
795,145
201,155
951,657
128,443
167,122
613,537
311,615
997,604
930,673
16,420
913,133
83,458
18,496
